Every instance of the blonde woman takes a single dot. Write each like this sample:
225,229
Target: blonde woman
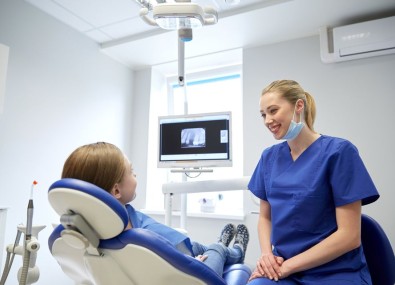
311,188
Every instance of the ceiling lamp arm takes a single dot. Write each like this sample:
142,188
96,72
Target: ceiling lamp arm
143,15
211,16
144,3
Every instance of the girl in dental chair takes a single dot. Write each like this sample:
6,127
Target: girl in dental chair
105,165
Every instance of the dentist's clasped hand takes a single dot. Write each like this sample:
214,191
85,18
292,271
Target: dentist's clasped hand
269,266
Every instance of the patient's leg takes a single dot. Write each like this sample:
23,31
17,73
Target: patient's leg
218,255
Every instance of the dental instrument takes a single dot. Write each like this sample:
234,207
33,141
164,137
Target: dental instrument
29,272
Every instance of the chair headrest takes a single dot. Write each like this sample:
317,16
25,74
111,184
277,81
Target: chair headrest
100,209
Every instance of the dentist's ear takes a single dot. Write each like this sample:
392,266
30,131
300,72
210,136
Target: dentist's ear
299,105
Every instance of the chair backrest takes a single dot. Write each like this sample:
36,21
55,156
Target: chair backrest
378,252
93,248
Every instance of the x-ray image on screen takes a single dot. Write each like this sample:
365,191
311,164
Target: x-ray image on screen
195,140
193,137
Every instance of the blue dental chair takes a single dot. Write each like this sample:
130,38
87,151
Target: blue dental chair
378,252
92,247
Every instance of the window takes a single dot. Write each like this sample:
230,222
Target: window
204,92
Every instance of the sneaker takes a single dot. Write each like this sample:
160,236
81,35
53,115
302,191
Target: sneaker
227,234
242,238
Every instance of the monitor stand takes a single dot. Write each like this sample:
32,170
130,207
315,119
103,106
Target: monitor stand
185,170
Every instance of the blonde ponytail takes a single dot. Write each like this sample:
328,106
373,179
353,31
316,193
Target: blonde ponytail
310,111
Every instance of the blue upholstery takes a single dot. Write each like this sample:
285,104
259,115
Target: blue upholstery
128,244
378,252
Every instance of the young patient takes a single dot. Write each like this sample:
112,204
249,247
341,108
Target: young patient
105,165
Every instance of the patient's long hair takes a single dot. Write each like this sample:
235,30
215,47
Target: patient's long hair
291,91
102,164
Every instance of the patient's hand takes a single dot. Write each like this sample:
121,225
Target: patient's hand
201,257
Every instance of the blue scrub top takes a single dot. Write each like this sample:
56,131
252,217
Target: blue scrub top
304,194
140,220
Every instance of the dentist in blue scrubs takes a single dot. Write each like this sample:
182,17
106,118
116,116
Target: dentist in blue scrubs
311,189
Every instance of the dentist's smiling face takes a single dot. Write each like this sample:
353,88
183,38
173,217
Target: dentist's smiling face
277,113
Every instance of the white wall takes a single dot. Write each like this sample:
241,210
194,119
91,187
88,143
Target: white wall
139,131
4,50
61,92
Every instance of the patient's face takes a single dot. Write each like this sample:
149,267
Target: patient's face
128,184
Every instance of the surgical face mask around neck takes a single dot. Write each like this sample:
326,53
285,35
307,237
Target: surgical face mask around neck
294,128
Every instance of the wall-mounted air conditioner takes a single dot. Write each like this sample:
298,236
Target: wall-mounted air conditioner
366,39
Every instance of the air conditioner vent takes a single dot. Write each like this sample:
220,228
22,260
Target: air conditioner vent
366,39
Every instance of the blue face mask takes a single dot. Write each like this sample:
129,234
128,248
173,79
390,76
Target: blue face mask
294,128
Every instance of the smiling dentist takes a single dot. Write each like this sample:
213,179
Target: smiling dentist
311,188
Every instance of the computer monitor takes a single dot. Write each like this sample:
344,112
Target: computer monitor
195,140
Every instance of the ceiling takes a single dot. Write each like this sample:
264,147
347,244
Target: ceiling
116,26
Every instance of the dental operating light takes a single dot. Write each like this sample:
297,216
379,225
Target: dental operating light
182,15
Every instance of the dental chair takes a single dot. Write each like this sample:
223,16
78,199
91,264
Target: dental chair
378,252
92,247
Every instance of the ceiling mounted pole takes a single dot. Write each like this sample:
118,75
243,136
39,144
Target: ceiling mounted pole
184,35
181,62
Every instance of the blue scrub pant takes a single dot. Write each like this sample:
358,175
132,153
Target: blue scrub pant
265,281
218,255
345,278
